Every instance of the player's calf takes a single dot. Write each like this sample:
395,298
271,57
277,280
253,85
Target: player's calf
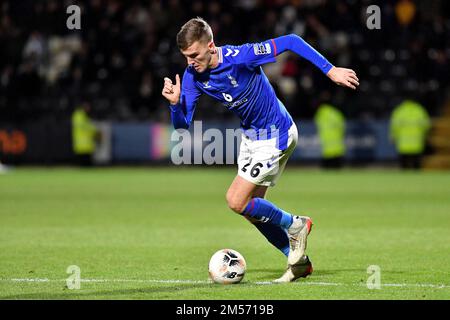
239,194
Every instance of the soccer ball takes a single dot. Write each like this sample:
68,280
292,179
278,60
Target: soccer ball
227,266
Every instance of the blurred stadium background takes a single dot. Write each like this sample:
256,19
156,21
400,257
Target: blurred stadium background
122,226
118,59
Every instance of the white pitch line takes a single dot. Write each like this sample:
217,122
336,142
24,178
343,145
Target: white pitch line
106,280
304,283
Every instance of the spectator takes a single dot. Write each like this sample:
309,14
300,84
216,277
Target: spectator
84,135
330,124
409,126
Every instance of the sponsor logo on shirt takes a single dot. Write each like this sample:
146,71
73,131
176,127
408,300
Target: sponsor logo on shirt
236,103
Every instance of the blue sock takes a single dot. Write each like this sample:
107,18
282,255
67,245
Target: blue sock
265,211
276,235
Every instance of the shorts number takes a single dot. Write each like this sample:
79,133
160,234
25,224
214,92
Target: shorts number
244,168
255,170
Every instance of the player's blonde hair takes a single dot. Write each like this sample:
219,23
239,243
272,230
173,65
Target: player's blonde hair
195,29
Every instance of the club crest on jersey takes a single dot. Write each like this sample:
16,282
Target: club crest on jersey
261,48
233,81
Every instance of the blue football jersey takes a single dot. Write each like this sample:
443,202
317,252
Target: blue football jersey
241,85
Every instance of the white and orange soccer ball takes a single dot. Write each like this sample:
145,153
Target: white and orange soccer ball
227,266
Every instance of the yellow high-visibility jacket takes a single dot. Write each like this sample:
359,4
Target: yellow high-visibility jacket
330,124
83,133
409,125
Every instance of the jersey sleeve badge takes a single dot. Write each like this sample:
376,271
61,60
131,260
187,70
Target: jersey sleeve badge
262,48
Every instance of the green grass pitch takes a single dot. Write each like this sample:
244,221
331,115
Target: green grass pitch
148,233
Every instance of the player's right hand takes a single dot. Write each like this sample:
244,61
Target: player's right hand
172,91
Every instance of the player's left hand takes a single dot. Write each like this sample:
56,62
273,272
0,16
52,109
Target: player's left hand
344,77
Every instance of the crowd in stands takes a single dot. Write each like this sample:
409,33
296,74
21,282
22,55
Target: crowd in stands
124,49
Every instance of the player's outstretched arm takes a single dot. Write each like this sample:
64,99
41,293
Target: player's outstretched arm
292,42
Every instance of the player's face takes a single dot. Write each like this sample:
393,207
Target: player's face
199,55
